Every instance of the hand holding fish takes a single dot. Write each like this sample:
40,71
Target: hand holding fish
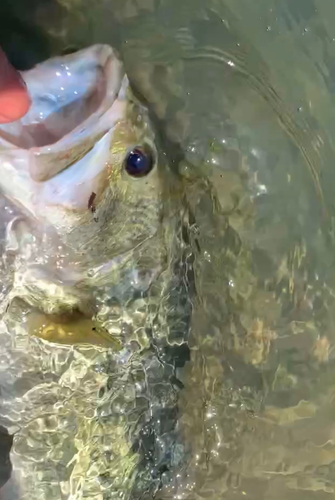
14,98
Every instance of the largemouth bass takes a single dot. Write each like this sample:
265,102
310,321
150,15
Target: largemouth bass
95,306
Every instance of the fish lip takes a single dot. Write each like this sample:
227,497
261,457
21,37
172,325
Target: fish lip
47,160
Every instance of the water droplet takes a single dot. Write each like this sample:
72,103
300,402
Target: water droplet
261,189
207,256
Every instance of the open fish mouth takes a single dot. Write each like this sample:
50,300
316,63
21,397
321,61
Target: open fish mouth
69,95
76,102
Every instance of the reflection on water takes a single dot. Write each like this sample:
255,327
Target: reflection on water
242,96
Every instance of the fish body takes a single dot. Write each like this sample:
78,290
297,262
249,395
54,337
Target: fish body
86,323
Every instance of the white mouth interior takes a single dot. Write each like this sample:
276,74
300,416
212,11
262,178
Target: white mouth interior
65,92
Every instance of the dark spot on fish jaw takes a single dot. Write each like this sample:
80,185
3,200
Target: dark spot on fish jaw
91,205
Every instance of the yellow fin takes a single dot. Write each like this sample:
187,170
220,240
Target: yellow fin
71,331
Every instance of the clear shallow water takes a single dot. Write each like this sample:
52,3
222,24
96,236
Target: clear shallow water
245,94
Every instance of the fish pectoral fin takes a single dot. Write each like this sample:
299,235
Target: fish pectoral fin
71,331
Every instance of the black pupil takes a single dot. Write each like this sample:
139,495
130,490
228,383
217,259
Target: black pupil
138,163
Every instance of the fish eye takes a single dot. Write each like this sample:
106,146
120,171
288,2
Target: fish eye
139,161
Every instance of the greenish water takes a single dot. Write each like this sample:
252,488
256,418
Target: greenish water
243,95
